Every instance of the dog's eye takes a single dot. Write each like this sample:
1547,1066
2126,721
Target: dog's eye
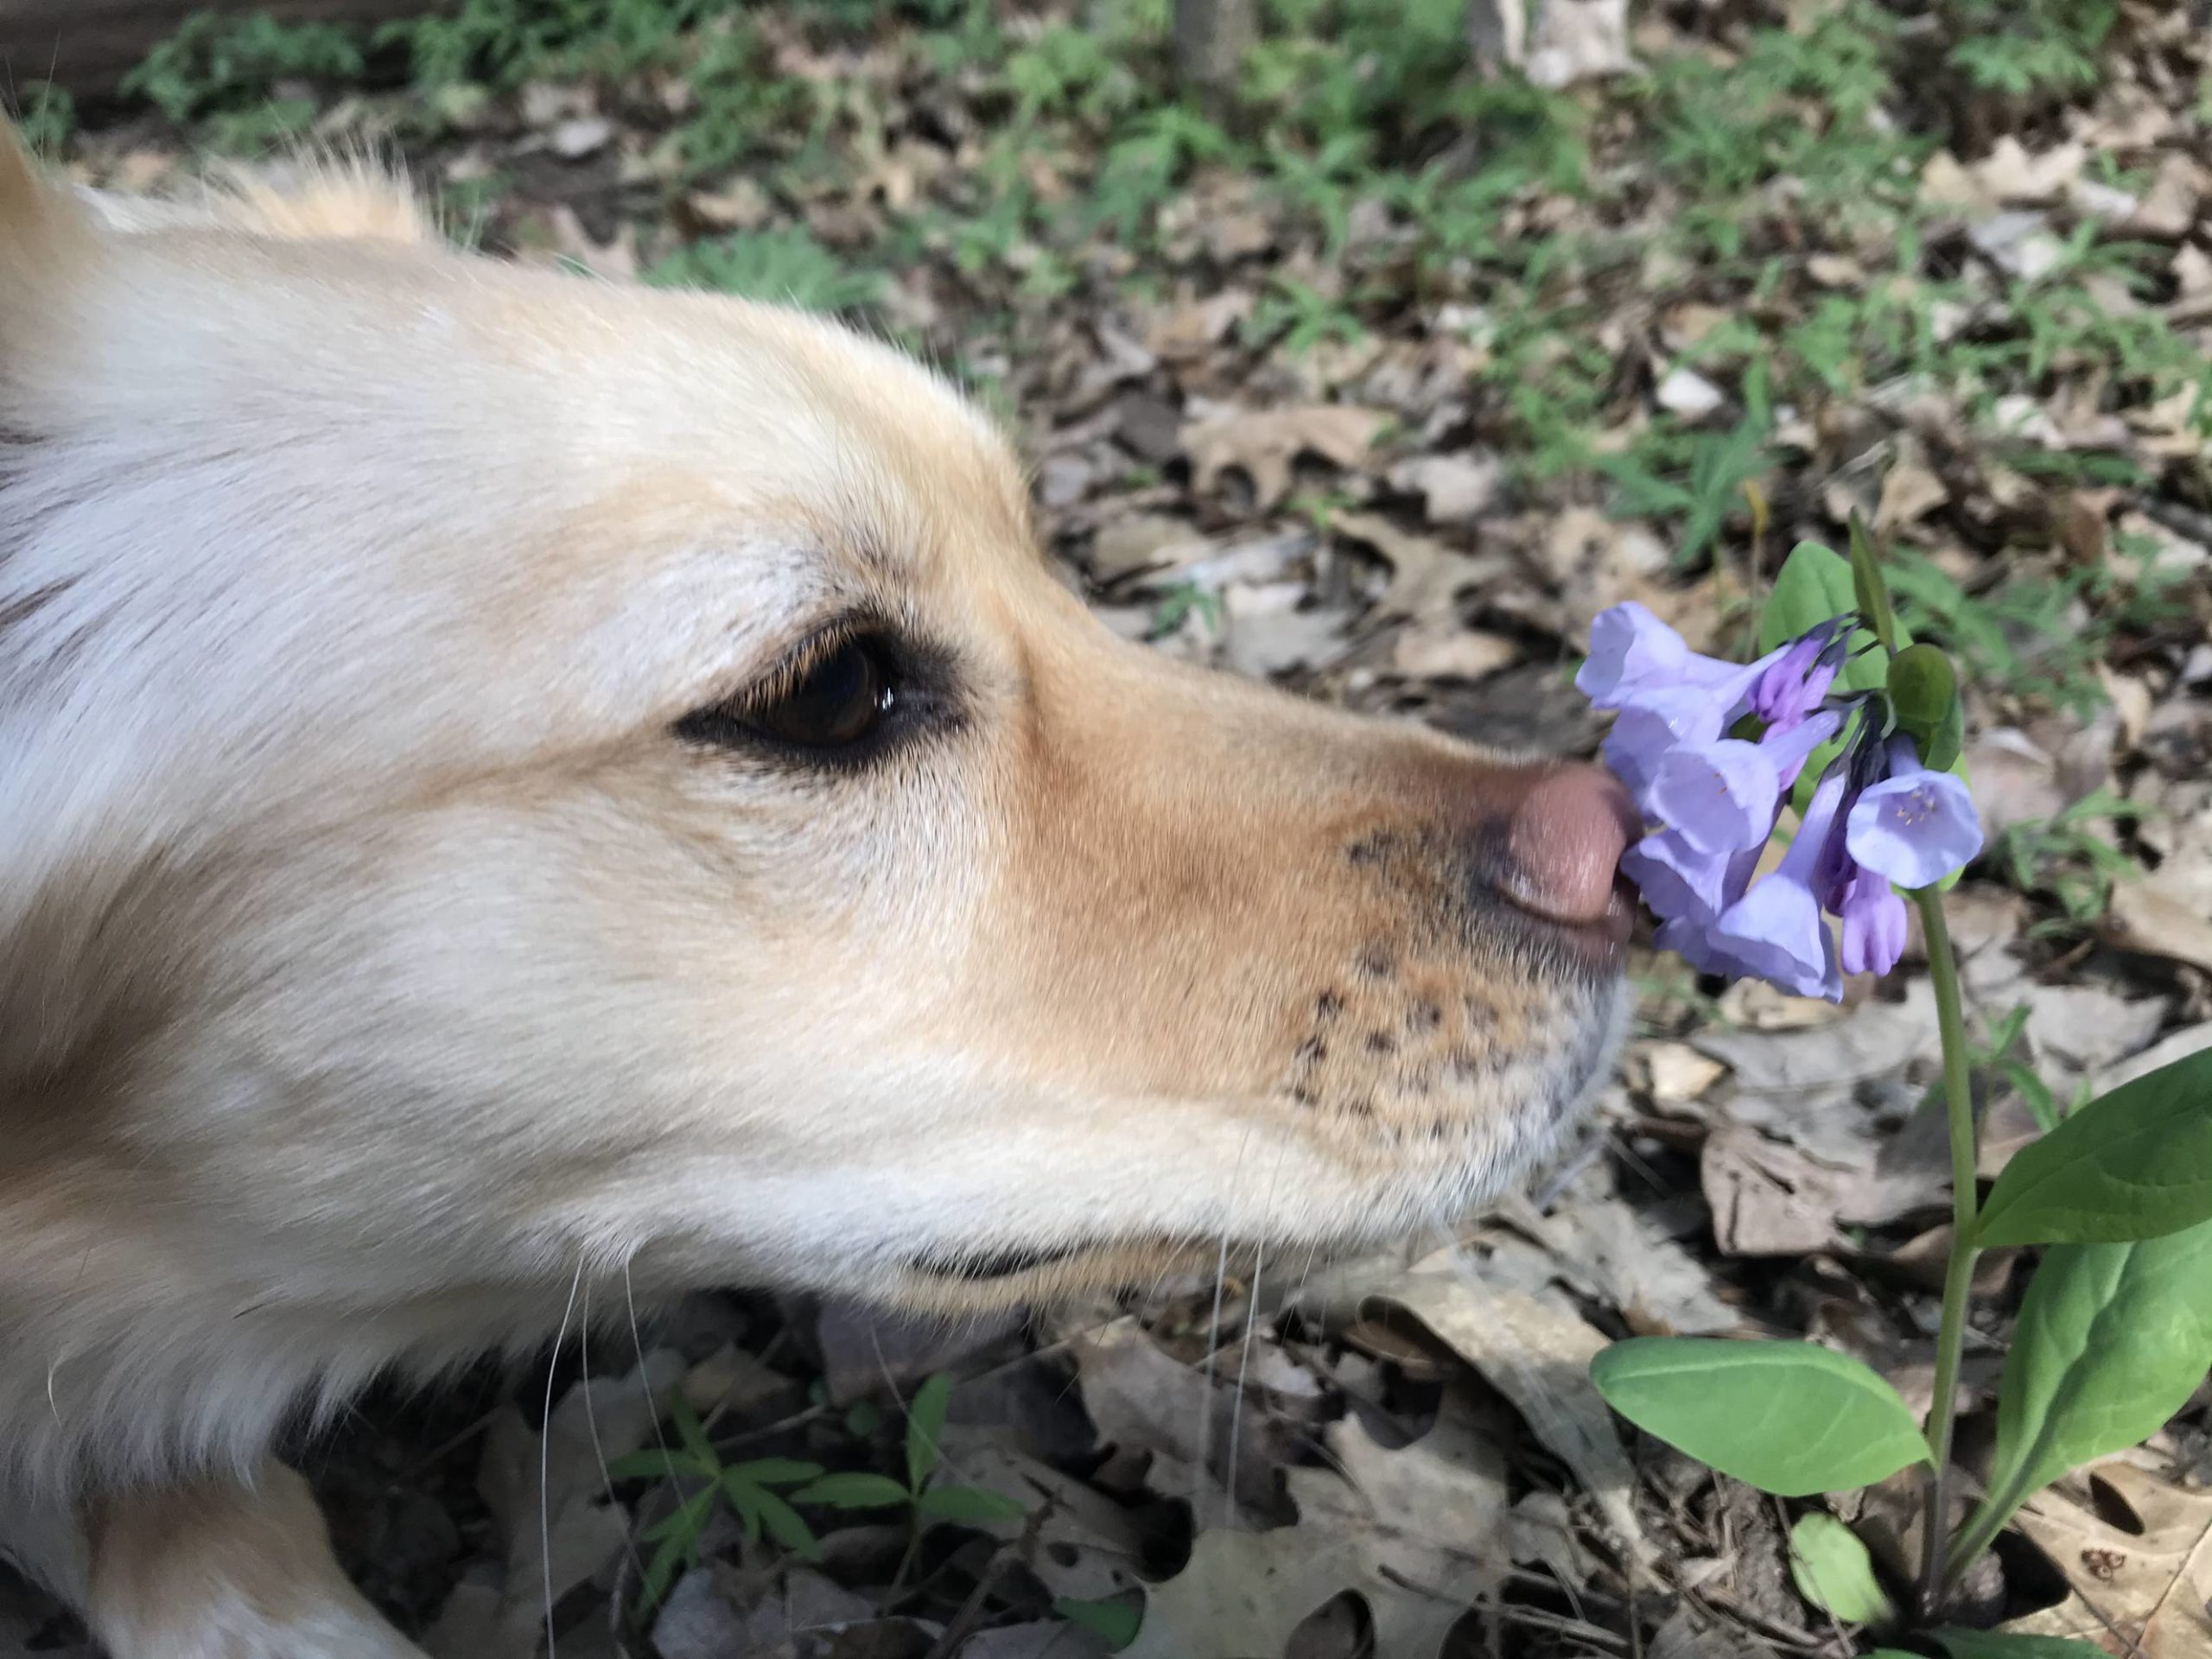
833,699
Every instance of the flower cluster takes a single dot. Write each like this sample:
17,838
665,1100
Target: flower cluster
1876,816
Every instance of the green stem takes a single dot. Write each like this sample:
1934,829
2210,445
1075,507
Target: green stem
1958,1275
1981,1531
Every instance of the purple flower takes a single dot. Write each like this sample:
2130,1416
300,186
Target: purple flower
1659,718
1915,826
1775,929
1793,687
1722,795
1873,925
1680,883
1632,651
1877,816
1694,942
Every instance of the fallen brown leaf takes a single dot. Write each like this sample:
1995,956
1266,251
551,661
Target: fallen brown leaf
1264,445
2144,1577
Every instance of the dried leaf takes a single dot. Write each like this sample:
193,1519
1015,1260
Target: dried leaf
1425,574
1534,1352
1440,649
1578,40
1265,444
1416,1533
2144,1576
1455,489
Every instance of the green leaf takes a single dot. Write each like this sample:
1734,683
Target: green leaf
1924,695
745,1500
2112,1340
2135,1163
1868,587
655,1466
775,1472
1114,1620
784,1526
858,1492
925,1428
1833,1571
1944,750
970,1506
1789,1418
1813,585
693,1433
687,1519
1998,1645
674,1553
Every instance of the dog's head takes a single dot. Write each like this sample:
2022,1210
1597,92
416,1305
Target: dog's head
501,769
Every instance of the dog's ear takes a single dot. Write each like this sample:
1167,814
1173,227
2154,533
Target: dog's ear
42,232
343,196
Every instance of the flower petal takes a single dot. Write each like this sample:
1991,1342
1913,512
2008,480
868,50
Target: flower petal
1914,828
1874,926
1718,796
1633,749
1676,880
1775,931
1694,942
1629,646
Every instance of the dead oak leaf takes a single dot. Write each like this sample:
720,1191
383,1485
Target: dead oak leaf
1084,1544
1771,1199
1425,574
1418,1534
1440,649
1264,445
2149,1584
1535,1350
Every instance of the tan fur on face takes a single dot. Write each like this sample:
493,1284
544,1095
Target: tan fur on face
381,967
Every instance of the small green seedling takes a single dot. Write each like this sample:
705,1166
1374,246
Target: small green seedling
748,1488
926,1499
1181,601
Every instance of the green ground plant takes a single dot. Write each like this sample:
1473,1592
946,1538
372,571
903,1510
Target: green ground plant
2114,1334
764,1492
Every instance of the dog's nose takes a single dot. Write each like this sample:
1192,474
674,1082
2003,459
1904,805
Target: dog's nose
1565,843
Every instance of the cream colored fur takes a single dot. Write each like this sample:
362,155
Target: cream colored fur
374,958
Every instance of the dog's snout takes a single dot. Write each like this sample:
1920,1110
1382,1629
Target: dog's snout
1564,844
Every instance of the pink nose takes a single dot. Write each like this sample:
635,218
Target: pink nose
1567,836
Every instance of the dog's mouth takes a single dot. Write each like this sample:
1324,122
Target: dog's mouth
999,1274
994,1265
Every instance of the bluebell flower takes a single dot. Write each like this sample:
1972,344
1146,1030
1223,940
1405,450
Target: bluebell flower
1877,816
1776,930
1722,795
1915,826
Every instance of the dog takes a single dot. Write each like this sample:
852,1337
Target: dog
519,792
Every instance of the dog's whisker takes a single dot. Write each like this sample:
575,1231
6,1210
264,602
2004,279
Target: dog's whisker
1251,1324
545,1457
591,1422
1213,1324
1297,1292
645,1383
1243,1366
